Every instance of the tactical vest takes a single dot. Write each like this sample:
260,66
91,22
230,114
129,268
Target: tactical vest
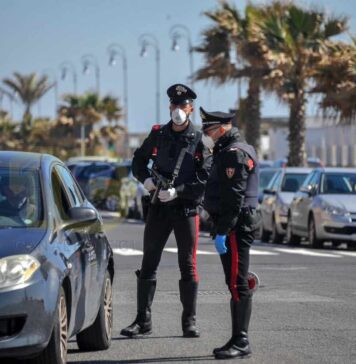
212,193
167,149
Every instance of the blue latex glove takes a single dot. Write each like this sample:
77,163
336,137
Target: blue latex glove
220,244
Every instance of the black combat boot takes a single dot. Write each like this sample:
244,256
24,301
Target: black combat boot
238,346
188,296
142,325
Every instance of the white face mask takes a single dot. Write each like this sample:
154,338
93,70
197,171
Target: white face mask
208,141
179,117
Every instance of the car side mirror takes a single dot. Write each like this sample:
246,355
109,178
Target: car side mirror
80,216
309,190
269,192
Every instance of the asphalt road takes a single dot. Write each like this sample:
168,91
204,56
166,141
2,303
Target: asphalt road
304,311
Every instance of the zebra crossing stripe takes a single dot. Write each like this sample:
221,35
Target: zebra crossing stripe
307,252
127,251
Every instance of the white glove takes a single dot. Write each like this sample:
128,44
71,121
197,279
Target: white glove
167,195
149,185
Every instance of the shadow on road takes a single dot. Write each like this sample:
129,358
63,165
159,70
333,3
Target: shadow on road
148,360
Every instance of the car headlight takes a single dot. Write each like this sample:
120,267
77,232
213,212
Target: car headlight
334,210
17,269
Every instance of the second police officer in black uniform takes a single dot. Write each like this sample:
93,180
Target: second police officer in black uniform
176,149
231,200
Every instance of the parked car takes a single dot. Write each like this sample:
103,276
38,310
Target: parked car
110,186
265,176
56,264
276,200
324,209
311,163
265,163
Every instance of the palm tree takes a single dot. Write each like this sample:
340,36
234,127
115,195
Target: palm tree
231,30
336,81
29,89
296,39
111,109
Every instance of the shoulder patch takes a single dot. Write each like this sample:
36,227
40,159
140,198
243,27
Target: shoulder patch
156,127
250,164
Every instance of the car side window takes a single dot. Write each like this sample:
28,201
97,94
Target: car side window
60,196
277,182
307,181
273,180
71,186
314,180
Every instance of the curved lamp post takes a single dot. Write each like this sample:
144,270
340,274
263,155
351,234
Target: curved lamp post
116,50
148,40
176,33
64,68
87,61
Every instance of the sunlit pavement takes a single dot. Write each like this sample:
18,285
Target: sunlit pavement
304,311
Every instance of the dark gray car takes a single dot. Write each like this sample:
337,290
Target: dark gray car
56,265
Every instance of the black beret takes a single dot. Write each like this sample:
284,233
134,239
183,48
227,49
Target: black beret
210,118
180,94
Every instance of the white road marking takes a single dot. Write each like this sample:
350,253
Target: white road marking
307,252
199,252
261,252
127,251
347,254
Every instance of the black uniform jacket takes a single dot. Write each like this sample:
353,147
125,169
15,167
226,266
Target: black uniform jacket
163,146
226,187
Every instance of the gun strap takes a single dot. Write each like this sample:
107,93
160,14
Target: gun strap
179,162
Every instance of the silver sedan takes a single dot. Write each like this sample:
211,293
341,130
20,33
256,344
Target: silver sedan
324,209
276,199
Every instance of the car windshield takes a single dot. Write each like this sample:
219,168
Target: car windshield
292,181
265,178
20,199
337,183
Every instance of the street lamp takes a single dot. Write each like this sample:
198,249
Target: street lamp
52,75
177,32
115,50
146,40
64,68
88,60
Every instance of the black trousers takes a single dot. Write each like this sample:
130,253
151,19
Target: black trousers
161,221
236,262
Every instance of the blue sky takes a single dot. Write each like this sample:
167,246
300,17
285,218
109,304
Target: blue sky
36,35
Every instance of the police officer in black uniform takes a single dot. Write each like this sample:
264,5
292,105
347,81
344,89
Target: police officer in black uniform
231,200
175,210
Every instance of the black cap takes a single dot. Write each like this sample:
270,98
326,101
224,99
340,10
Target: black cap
214,118
180,94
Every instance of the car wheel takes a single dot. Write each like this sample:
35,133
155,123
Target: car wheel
291,238
313,239
98,335
276,237
56,350
112,203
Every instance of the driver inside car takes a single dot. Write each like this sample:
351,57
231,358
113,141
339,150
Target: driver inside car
15,198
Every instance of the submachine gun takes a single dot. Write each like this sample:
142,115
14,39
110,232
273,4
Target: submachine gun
161,183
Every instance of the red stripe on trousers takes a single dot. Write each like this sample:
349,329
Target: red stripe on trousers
234,267
196,278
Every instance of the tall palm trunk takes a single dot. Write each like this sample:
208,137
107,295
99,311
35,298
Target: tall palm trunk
297,152
253,113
